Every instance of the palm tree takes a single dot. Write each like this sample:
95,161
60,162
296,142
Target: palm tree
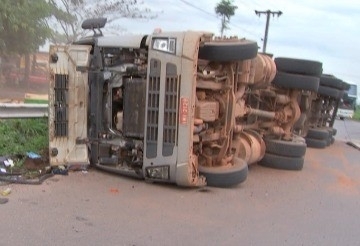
225,9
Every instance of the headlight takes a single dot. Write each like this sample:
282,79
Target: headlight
164,44
161,172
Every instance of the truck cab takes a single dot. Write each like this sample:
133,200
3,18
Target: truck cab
165,107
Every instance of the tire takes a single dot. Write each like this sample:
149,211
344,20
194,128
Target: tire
294,148
225,176
328,141
332,131
316,143
331,81
328,91
332,140
341,93
298,66
282,162
318,133
296,81
345,86
228,51
299,124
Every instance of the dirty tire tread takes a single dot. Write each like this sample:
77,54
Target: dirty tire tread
332,140
332,131
296,81
298,66
331,81
318,133
295,148
225,177
282,162
328,141
329,91
316,143
232,51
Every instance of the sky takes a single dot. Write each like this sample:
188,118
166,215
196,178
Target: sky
321,30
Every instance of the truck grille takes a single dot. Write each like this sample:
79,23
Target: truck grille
61,105
152,116
169,90
170,110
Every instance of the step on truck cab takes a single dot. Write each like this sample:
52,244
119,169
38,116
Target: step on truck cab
164,107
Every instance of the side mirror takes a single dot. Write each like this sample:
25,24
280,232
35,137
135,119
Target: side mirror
93,23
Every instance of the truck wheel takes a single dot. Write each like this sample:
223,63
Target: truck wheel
225,176
228,51
296,81
328,141
294,148
332,131
332,140
318,133
298,66
345,86
316,143
328,91
331,81
282,162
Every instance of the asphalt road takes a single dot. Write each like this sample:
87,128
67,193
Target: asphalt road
319,205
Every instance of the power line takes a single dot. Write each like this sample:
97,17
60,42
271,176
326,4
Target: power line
215,16
198,8
267,13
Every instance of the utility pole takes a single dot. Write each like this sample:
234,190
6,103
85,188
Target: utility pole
268,13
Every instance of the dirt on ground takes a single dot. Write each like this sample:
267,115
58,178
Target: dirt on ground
318,205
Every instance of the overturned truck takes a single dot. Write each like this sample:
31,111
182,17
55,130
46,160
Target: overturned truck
179,107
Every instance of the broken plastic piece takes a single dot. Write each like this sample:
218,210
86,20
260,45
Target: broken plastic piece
59,171
6,192
9,163
32,155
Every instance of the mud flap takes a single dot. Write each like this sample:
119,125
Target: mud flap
68,100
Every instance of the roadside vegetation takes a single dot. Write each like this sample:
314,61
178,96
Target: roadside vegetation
19,136
357,113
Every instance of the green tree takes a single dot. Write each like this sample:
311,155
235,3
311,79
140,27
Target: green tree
23,27
225,9
69,14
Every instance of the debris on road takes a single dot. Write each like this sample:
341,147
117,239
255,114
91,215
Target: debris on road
354,143
33,155
3,200
24,169
6,191
62,170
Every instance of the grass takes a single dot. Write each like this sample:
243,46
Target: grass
35,101
18,136
357,113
